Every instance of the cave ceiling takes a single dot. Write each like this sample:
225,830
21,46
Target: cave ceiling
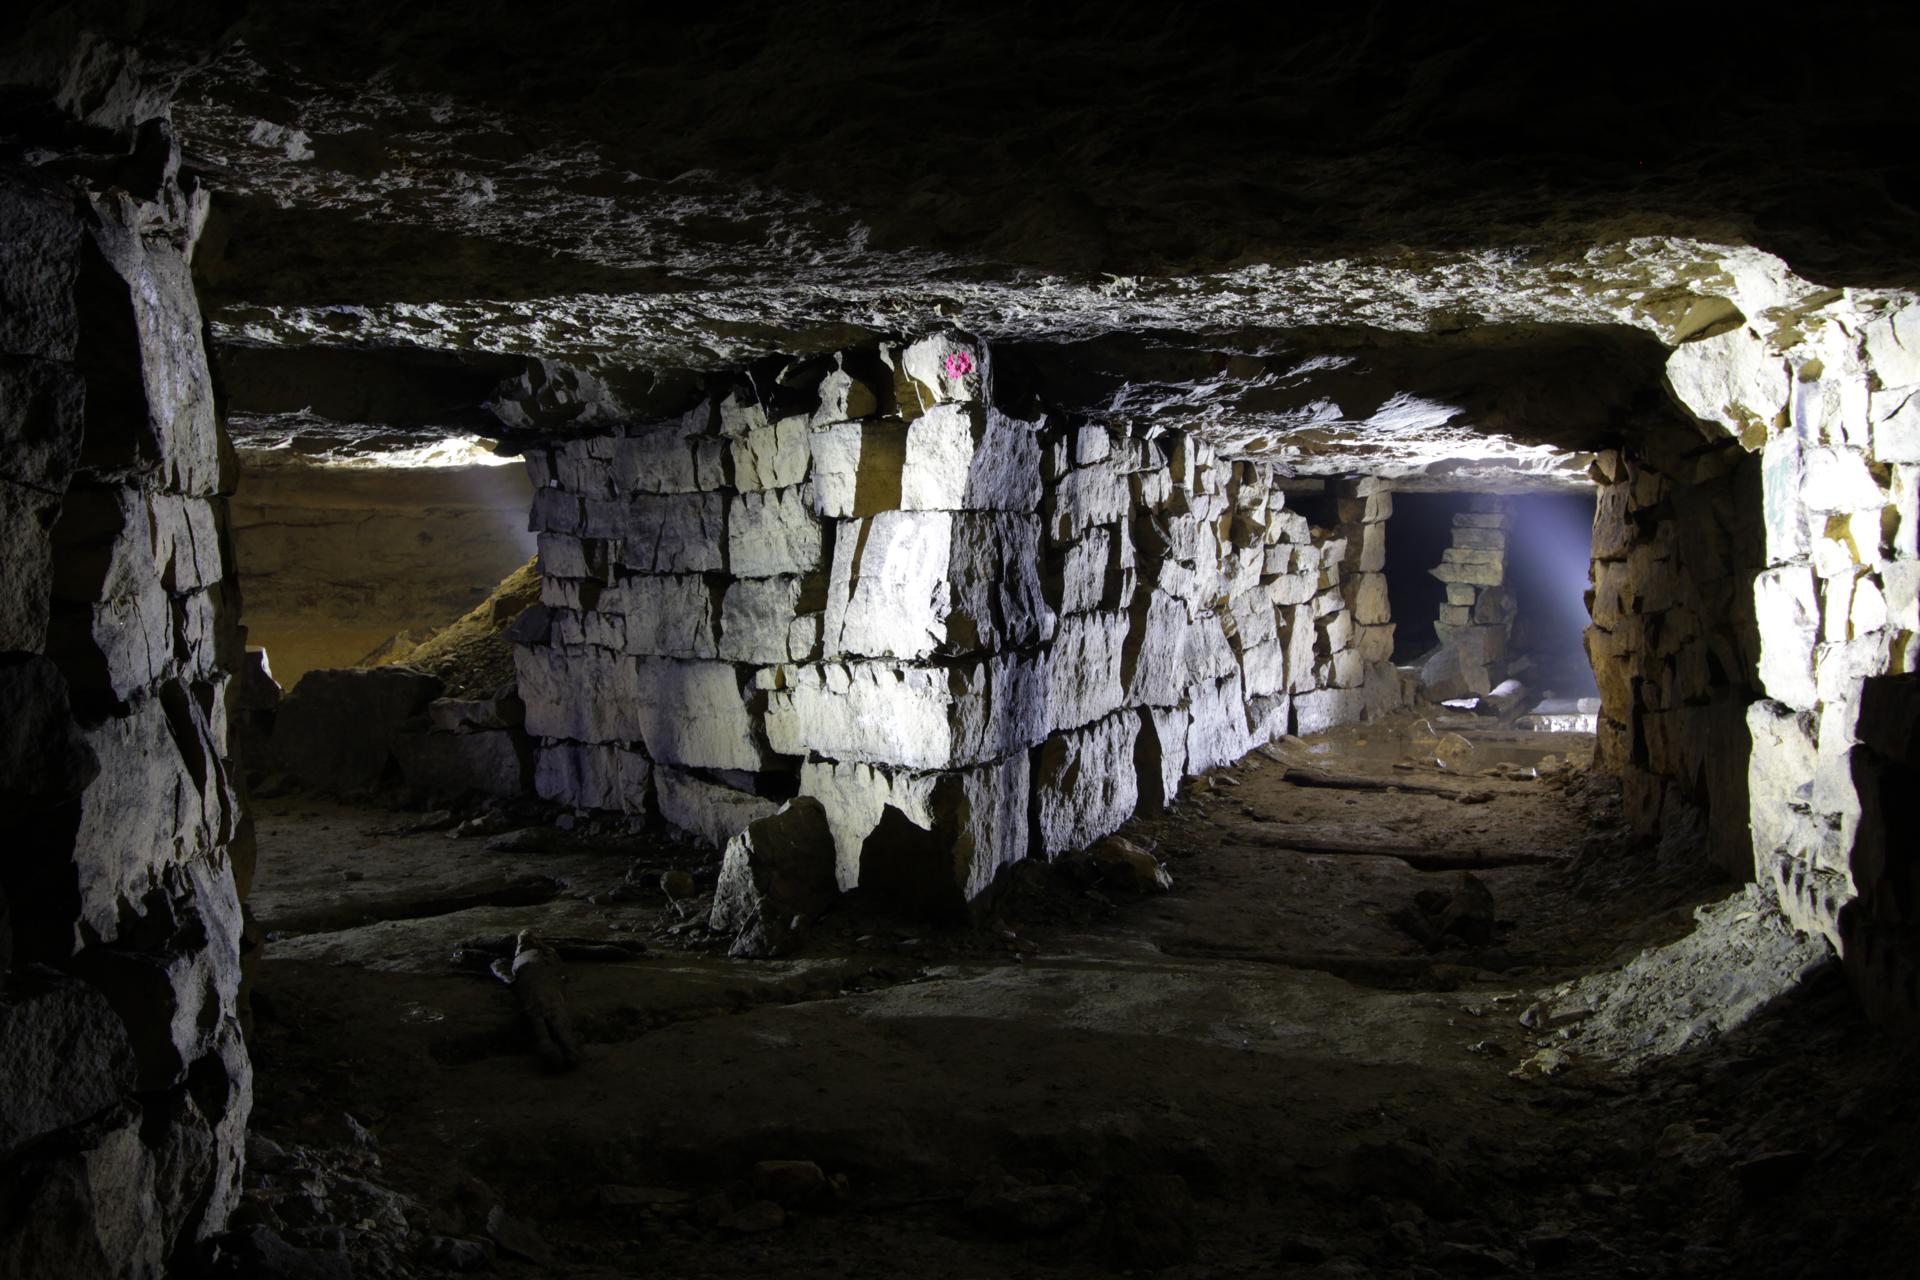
1411,239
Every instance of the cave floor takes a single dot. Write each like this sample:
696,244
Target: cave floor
1276,1068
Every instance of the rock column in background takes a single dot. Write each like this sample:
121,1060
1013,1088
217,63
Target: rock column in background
127,1087
1477,617
865,584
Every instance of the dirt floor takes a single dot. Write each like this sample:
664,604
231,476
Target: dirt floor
1339,1046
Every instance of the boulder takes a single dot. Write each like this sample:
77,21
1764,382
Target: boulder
494,762
335,730
1119,863
776,874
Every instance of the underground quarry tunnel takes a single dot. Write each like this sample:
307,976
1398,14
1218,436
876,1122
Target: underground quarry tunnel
1006,640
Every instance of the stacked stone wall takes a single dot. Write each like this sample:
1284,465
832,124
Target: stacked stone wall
1476,619
1673,642
1828,395
126,1083
882,591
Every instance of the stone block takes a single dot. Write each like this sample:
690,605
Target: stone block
1269,716
1263,668
910,716
771,620
1153,660
1732,379
1254,619
1217,726
911,584
776,871
969,458
26,565
1371,607
666,615
844,398
1838,480
1496,607
666,457
942,368
85,1207
1787,612
585,694
713,812
335,730
1085,783
1092,572
1160,756
1890,343
1295,588
1486,539
1085,497
1322,709
663,533
1481,573
857,468
772,456
983,810
774,533
1896,426
695,714
1374,643
1085,677
593,776
564,556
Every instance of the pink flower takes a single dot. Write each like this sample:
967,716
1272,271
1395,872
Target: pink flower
959,365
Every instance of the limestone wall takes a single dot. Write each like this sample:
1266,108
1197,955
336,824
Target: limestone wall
1673,643
126,1085
1827,392
880,590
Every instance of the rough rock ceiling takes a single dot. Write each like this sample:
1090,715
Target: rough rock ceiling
1385,236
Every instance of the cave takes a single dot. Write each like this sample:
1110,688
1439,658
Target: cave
813,641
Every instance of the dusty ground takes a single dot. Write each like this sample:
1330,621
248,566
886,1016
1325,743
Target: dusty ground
1262,1072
